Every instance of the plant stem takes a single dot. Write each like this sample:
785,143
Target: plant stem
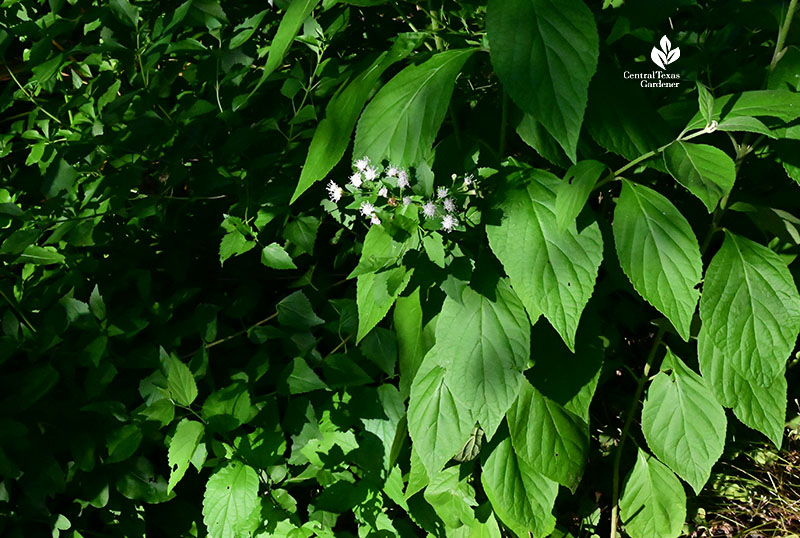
30,96
626,428
782,33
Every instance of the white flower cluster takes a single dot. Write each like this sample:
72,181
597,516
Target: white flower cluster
367,180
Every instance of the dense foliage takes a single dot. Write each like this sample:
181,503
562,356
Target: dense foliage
339,268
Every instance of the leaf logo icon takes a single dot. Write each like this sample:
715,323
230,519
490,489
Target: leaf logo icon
662,58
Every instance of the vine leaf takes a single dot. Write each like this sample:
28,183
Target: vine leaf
180,382
750,309
401,121
553,270
658,251
545,53
522,498
653,504
230,505
181,449
706,171
683,422
548,438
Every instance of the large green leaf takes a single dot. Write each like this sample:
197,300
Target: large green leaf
553,270
522,498
438,424
333,133
545,53
413,339
452,497
292,21
659,253
683,422
484,343
706,171
231,505
750,310
763,408
550,439
653,504
401,121
181,449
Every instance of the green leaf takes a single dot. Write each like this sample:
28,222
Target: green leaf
785,74
302,232
659,253
536,136
296,311
126,12
550,439
573,192
96,304
123,442
180,382
274,256
401,122
333,133
746,124
781,104
301,378
452,498
292,21
683,422
40,256
621,119
234,243
438,424
228,408
553,270
545,53
231,505
60,177
522,498
413,339
181,449
705,101
750,310
653,504
484,343
706,171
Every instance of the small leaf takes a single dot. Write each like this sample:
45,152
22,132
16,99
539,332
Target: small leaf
706,171
231,504
180,382
276,257
96,304
706,102
126,12
573,192
683,423
653,504
181,449
296,311
40,256
301,378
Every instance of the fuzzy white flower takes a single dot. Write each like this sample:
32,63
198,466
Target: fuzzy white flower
392,171
370,173
367,209
362,163
383,192
334,191
402,179
468,180
449,222
449,205
406,200
441,192
374,220
429,209
355,180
